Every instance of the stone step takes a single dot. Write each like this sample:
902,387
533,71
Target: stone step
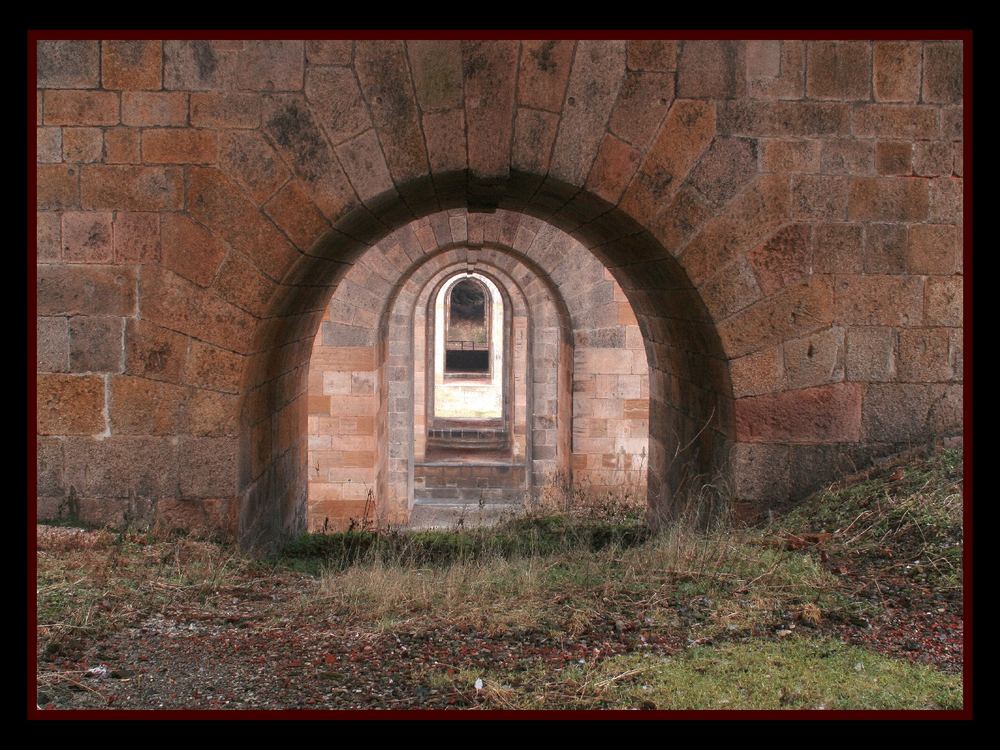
470,476
468,495
450,516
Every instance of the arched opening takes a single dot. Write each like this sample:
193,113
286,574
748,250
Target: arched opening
469,338
689,398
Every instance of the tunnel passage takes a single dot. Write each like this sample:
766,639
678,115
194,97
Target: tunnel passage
784,217
574,383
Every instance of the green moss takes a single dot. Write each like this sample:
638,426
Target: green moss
796,673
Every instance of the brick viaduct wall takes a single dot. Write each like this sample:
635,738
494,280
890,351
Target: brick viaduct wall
784,218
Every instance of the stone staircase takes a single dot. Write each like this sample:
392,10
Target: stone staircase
465,492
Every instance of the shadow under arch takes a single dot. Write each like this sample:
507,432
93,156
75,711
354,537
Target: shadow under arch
691,427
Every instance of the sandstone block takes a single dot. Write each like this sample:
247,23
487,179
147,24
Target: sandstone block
70,404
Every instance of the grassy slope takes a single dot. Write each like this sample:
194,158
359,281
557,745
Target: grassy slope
725,593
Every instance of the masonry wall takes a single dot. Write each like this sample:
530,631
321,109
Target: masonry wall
784,218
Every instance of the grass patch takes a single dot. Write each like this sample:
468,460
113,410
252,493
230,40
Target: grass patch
530,536
910,513
90,584
802,673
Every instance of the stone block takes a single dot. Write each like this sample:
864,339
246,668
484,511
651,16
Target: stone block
250,160
179,146
98,290
67,63
57,186
48,145
781,155
838,248
190,250
70,404
711,69
942,83
48,236
888,199
543,73
642,104
826,414
652,54
207,466
87,237
137,237
121,466
82,145
783,259
146,108
146,407
894,157
225,110
924,355
897,71
194,65
819,197
816,359
911,412
839,70
339,105
885,248
121,146
211,367
52,345
131,188
95,344
329,51
436,67
727,165
757,373
895,121
271,65
943,301
794,311
878,300
81,108
934,249
154,352
131,64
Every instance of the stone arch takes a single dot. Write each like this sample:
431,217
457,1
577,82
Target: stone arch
734,211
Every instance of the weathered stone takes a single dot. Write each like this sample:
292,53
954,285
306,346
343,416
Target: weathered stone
934,249
52,345
871,354
839,70
827,414
816,359
783,259
146,407
104,290
906,412
70,404
207,466
87,237
727,165
68,63
897,71
942,72
711,70
924,355
82,145
95,344
154,352
131,64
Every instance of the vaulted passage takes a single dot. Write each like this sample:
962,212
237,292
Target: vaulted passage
243,247
556,410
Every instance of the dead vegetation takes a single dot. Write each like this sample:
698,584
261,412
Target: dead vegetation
579,608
